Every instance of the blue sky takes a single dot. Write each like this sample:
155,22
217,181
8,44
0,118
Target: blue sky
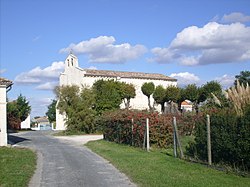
194,41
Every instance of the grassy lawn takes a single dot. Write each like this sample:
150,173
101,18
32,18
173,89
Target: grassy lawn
158,169
16,166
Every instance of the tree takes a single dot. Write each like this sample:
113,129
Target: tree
243,78
191,92
78,108
128,92
205,92
51,113
17,111
148,89
108,95
159,96
172,97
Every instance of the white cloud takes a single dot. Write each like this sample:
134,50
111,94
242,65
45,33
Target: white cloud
47,86
185,78
103,50
226,81
92,67
211,44
235,17
39,105
39,75
2,71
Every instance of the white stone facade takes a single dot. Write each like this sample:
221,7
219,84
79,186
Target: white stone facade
26,123
74,75
4,84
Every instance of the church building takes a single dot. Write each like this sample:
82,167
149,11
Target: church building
74,75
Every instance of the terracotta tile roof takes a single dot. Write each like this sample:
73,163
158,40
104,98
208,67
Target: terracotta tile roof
41,119
124,74
6,82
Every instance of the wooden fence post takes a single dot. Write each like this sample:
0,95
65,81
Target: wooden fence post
147,132
174,137
132,130
177,138
209,153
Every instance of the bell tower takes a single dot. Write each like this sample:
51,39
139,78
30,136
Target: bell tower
71,61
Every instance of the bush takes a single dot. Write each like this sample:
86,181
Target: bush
230,139
117,127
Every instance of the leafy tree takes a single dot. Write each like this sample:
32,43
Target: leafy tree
148,89
243,78
78,108
128,92
173,95
205,92
191,92
108,95
159,96
17,111
51,113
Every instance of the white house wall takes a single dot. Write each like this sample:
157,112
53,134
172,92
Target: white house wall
26,123
3,120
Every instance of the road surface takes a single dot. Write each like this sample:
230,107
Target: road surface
63,162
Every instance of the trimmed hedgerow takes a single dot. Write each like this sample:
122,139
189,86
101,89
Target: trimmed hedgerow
230,139
118,125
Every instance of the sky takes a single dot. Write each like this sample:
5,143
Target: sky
194,41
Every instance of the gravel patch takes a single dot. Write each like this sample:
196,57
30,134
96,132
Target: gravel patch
79,139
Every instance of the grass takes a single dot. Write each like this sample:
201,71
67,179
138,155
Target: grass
156,168
17,166
71,133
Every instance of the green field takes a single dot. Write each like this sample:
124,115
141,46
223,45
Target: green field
159,169
16,166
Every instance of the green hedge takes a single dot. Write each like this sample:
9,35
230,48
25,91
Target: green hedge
230,139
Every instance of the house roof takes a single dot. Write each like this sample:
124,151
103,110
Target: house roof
41,119
186,102
124,74
6,82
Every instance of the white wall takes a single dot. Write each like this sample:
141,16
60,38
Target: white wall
26,123
3,119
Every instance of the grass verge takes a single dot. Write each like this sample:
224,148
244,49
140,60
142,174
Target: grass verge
17,166
72,133
158,169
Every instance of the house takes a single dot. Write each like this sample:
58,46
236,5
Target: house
26,123
74,75
5,86
186,106
41,123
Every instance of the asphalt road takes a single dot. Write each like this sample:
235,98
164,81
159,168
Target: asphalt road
62,164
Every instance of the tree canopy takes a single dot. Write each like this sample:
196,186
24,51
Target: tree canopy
159,96
206,90
243,78
51,113
148,89
17,111
108,94
128,92
78,106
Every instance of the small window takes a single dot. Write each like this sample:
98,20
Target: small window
72,61
68,62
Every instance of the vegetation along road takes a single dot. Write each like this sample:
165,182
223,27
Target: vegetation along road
61,163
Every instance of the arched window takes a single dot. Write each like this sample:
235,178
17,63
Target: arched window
68,62
72,61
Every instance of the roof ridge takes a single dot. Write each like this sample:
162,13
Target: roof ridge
113,73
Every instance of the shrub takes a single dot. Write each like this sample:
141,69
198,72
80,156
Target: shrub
117,127
230,138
